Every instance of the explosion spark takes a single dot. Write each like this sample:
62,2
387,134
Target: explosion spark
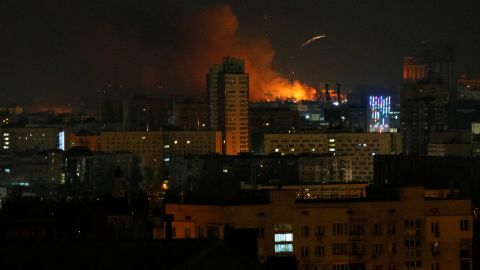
312,40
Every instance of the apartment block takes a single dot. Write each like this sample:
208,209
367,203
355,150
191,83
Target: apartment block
360,146
407,231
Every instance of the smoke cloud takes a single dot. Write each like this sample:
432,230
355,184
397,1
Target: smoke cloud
165,53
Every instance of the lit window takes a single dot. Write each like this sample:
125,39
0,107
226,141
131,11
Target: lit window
7,170
276,150
283,238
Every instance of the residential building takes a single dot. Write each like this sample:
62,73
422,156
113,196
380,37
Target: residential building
227,96
360,146
405,230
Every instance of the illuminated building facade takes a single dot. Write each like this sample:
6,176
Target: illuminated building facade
32,139
361,146
92,141
379,112
402,231
156,148
228,95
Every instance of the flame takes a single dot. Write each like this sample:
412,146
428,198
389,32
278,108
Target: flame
281,88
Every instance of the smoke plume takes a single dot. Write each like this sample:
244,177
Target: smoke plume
168,53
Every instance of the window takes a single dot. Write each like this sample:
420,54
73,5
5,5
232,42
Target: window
320,251
261,232
464,248
413,263
340,228
340,249
377,267
356,229
358,248
411,224
304,251
377,229
435,227
391,228
392,248
411,243
435,266
320,230
435,248
464,225
305,231
188,233
342,266
377,249
283,238
465,264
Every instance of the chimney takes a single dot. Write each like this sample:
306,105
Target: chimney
327,94
339,98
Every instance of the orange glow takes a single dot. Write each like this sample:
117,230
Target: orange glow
53,109
281,88
207,36
322,95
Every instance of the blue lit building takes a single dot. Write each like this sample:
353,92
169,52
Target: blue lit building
378,113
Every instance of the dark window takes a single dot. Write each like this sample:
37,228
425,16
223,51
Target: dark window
391,228
464,225
320,251
305,231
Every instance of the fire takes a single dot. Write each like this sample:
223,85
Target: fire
203,38
281,88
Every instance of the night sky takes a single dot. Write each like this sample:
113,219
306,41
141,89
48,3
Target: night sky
79,52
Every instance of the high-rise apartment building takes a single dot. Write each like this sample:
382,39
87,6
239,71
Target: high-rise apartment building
227,97
434,64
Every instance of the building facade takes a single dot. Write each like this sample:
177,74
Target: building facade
32,139
408,232
228,95
360,146
156,148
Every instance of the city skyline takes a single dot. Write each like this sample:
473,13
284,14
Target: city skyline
68,53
